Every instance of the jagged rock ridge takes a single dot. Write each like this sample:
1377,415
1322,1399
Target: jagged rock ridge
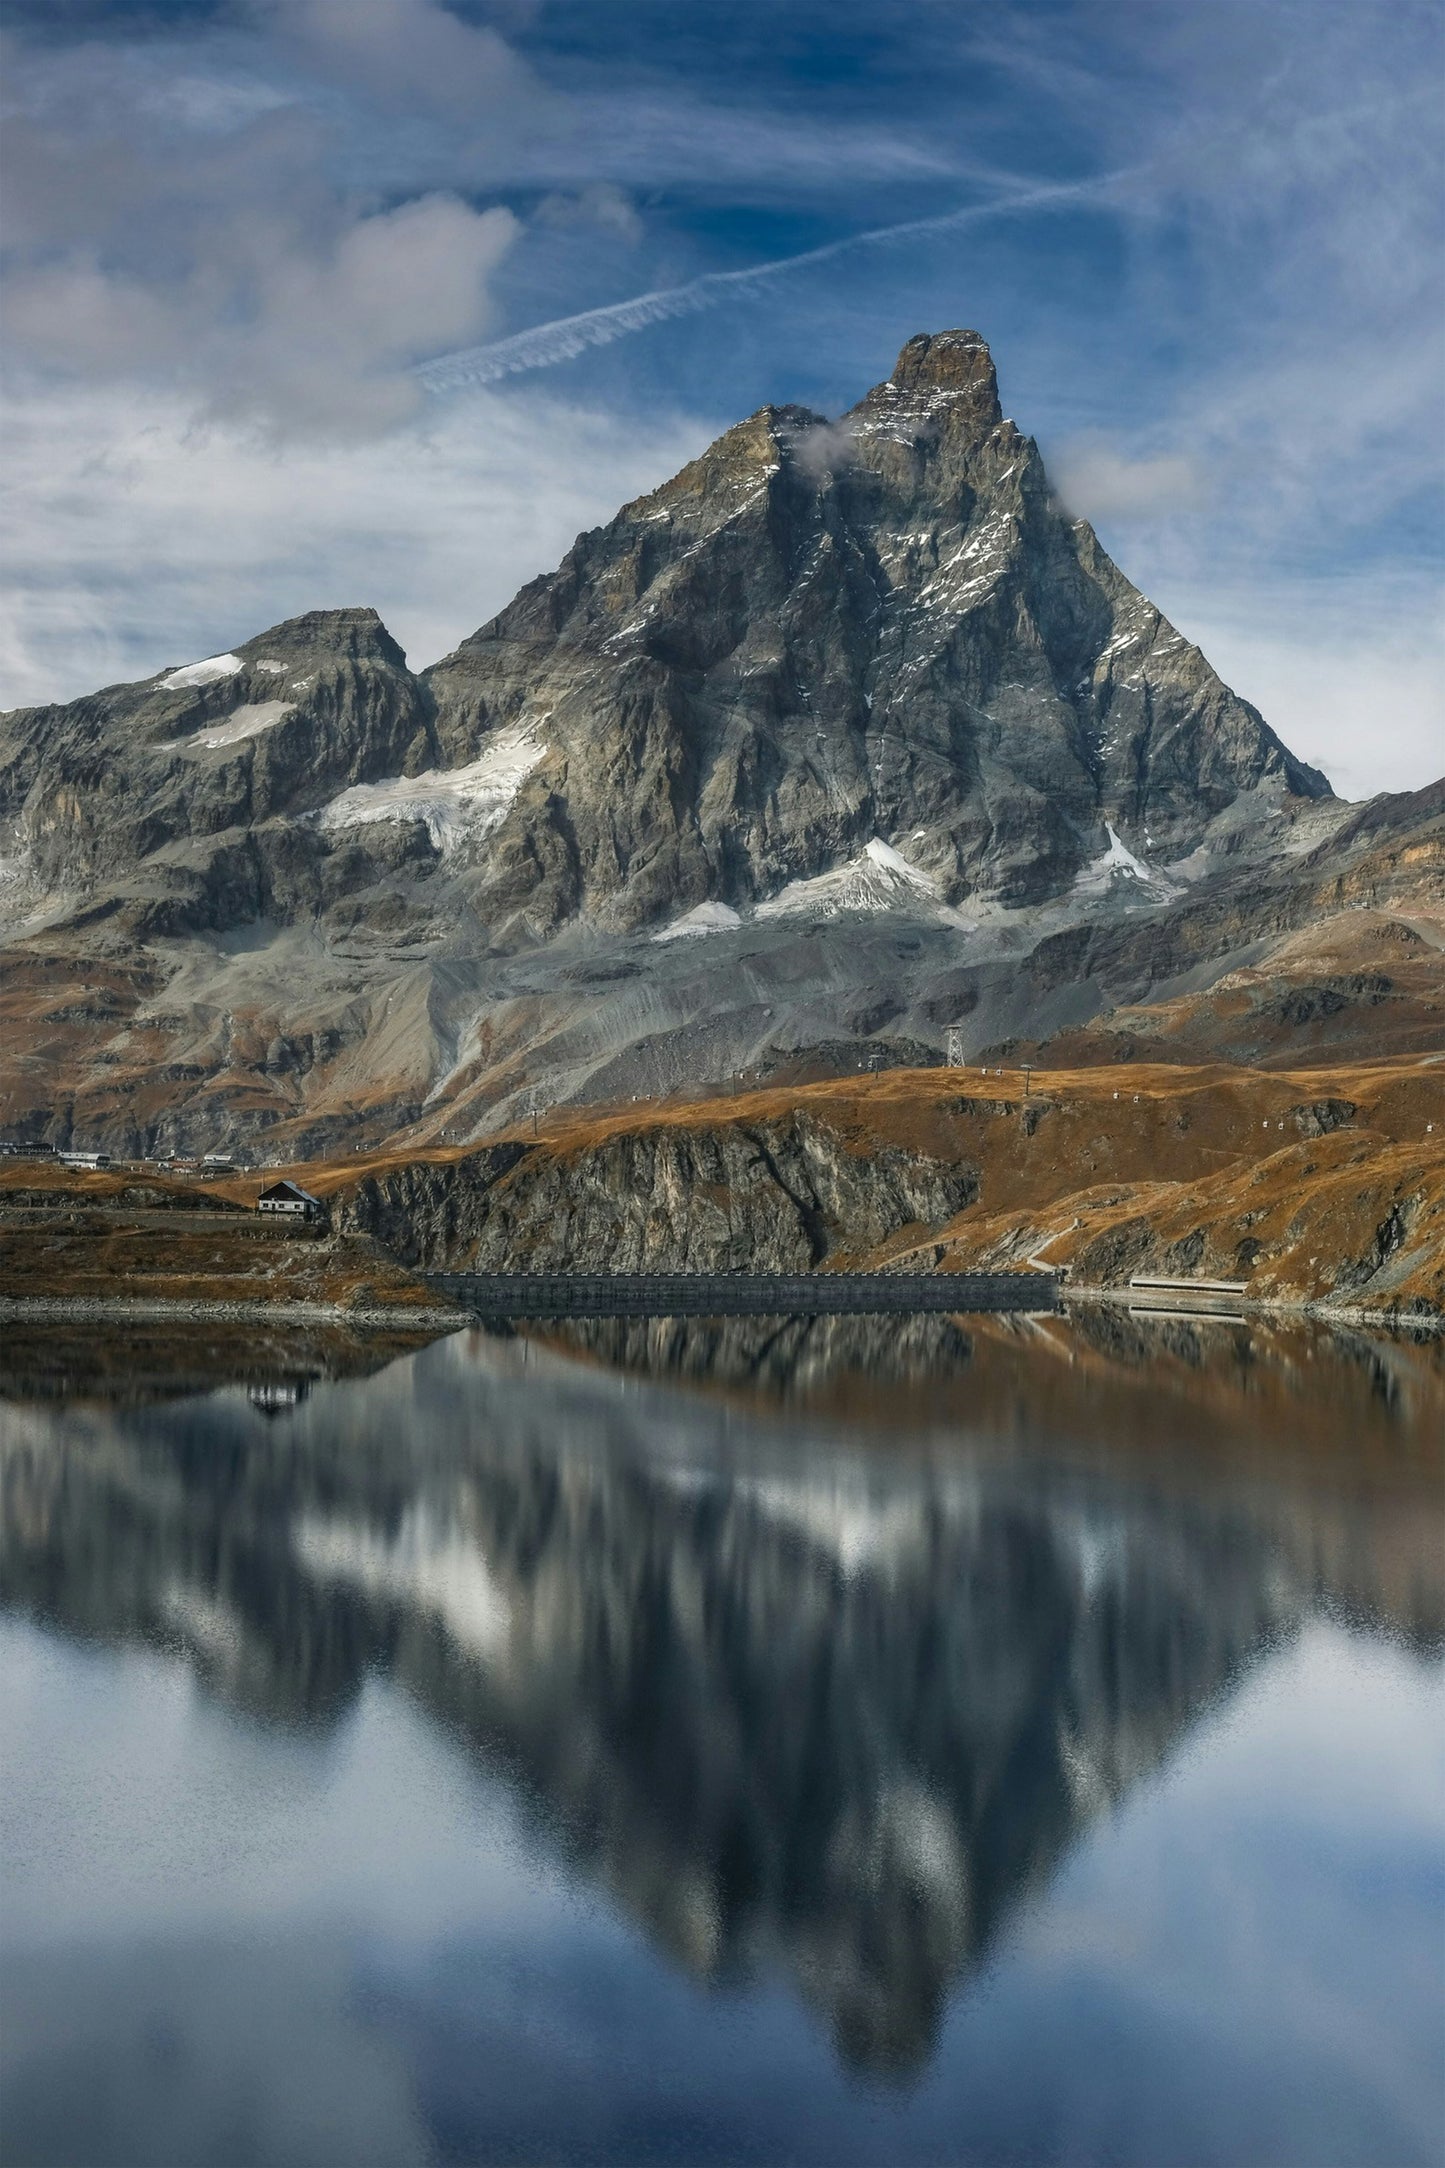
815,635
818,634
868,670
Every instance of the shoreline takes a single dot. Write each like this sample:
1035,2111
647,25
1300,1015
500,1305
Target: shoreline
1322,1312
119,1309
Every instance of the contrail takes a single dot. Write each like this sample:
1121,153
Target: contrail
567,336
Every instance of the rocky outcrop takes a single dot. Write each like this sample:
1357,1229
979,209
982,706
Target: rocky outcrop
1332,955
1397,859
777,1194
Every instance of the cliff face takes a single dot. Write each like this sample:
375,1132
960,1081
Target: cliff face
784,1192
1306,1195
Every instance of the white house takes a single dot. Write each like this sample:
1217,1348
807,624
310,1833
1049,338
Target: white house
290,1199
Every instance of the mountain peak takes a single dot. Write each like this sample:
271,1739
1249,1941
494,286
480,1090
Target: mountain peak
358,633
948,361
862,666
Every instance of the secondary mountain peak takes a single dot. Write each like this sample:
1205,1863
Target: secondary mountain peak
357,634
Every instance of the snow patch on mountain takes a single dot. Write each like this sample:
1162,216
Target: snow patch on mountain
706,918
1120,855
458,805
877,880
209,672
244,722
1117,867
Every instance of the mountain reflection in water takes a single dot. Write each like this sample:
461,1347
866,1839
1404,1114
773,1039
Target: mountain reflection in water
810,1696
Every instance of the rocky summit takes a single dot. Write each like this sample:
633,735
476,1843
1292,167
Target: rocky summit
822,748
823,635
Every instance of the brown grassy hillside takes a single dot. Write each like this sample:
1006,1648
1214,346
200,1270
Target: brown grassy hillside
1314,1185
76,1236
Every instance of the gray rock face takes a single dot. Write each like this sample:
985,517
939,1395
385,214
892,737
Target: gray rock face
784,1195
814,636
851,715
821,633
184,801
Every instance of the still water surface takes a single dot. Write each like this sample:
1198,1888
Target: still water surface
868,1741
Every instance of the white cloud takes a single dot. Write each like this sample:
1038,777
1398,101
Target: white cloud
275,215
305,332
1099,481
826,448
170,224
333,338
602,205
411,54
136,539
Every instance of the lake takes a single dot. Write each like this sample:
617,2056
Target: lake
995,1740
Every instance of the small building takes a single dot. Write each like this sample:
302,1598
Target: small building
290,1200
217,1163
91,1161
276,1396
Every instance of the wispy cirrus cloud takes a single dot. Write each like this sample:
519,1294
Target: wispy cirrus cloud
565,337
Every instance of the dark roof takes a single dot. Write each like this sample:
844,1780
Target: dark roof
289,1192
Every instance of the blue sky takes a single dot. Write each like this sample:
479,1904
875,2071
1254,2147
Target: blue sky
1204,243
